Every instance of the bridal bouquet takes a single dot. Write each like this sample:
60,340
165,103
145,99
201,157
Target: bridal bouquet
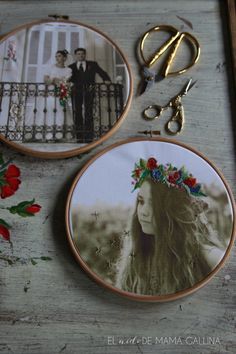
63,91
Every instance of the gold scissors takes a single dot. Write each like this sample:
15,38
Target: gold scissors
176,122
173,43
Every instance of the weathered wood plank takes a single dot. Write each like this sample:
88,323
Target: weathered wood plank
53,307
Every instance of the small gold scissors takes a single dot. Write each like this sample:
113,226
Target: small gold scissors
174,42
154,111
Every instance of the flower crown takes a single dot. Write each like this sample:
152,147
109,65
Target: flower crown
166,174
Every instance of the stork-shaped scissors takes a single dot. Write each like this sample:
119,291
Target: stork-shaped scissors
176,122
173,43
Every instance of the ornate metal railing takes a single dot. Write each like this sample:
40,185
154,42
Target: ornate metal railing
32,112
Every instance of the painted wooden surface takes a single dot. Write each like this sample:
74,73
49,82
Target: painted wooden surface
53,307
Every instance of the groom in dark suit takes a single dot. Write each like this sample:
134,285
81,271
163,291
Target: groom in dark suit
83,79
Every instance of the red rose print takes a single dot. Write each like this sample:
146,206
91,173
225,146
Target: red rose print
13,183
151,163
6,192
33,209
190,182
4,232
10,181
9,184
12,171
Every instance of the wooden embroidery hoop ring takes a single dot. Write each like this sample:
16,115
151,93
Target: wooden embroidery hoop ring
88,146
133,296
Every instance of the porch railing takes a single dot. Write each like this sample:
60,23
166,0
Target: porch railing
32,113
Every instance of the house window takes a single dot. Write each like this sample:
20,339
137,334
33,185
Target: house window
120,72
42,43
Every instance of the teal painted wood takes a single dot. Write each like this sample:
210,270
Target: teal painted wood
53,307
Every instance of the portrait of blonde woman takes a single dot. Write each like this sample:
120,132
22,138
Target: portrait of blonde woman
171,245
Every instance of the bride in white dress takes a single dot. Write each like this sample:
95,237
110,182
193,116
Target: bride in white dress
59,113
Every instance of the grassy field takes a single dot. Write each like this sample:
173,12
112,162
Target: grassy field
100,237
99,231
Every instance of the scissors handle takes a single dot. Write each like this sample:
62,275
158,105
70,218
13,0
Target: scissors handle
177,117
176,131
153,112
174,41
163,48
172,55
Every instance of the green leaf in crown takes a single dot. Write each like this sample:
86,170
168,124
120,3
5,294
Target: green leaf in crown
166,174
142,164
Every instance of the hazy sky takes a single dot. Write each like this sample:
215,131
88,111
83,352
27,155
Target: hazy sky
108,179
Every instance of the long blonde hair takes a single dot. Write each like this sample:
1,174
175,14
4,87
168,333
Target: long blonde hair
172,260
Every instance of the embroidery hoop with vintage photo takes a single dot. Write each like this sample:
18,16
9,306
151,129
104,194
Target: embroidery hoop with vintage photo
115,231
57,99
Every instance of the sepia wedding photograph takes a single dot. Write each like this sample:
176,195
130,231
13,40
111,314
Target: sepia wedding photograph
63,85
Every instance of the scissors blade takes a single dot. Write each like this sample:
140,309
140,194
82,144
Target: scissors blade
149,79
159,77
187,87
143,87
192,85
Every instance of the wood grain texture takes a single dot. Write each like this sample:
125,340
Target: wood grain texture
53,307
232,28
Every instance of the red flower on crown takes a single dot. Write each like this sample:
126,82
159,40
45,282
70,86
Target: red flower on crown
151,163
137,172
190,181
172,178
167,174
